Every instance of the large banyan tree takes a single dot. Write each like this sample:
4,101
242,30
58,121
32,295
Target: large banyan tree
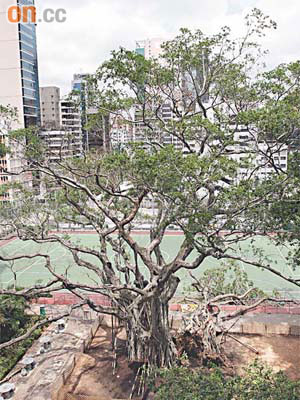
212,146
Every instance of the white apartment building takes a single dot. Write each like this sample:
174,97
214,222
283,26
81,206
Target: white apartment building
66,140
59,145
71,124
120,136
261,158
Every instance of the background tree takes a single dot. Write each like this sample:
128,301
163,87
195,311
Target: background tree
207,186
206,328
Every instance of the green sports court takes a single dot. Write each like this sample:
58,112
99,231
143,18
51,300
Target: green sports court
32,271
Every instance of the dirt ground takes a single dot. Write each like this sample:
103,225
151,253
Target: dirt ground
280,352
93,378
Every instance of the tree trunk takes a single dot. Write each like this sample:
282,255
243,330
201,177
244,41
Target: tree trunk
148,335
200,335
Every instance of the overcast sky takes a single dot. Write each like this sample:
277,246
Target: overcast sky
95,27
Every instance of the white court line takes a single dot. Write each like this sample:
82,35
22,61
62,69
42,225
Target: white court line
287,265
53,260
273,285
37,273
26,244
166,255
15,253
26,269
212,261
264,281
242,265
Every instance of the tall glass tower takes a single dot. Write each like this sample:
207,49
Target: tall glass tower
29,70
19,88
19,81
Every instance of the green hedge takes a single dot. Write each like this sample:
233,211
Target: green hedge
258,383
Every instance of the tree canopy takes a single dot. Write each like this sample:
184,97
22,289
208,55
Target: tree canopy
209,169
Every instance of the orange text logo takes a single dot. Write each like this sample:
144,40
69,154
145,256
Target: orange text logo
27,15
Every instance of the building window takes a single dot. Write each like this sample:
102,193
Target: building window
27,48
28,75
29,111
29,102
26,65
27,92
27,57
28,84
26,30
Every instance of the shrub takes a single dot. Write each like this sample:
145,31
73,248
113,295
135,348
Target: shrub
258,383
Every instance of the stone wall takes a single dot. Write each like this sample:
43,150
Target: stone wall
70,365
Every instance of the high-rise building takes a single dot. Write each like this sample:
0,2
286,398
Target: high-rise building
80,88
71,124
62,135
65,140
19,89
149,48
79,81
19,80
60,145
96,136
50,107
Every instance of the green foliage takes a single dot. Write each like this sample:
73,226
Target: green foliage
11,355
228,278
14,322
8,113
30,141
7,116
257,383
207,184
3,150
12,316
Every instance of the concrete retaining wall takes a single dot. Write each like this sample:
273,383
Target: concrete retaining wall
70,365
87,342
259,328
